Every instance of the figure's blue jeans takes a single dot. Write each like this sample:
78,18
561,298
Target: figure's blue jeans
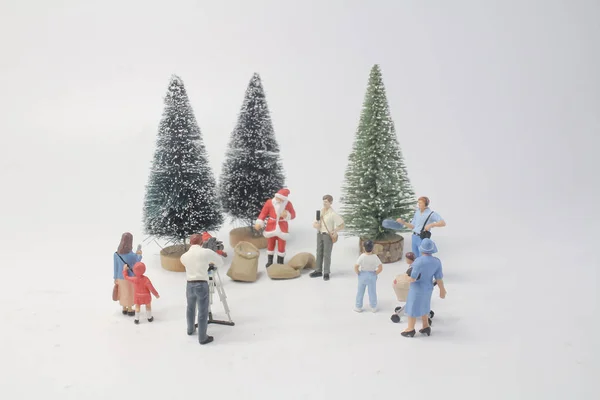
367,279
197,296
416,242
415,239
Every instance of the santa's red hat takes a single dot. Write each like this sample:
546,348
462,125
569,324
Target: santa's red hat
283,194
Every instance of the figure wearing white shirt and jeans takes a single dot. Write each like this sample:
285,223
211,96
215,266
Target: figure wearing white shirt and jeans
329,224
196,261
368,266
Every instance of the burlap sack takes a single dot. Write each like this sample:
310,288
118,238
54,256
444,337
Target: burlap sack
282,271
302,260
401,286
244,266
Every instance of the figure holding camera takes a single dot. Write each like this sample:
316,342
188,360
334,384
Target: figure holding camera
328,223
197,262
422,222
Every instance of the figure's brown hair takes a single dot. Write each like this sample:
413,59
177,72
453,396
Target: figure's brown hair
425,199
126,245
328,197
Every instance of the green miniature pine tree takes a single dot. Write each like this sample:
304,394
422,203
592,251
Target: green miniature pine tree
376,183
181,195
252,171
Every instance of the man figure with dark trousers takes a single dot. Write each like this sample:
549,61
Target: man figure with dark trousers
197,260
328,225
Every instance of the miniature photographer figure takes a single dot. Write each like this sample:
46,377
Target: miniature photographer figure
327,224
197,261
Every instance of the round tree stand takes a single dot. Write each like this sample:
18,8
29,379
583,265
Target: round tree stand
169,257
388,249
247,234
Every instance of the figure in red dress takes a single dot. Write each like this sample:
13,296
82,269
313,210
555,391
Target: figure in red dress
279,211
142,287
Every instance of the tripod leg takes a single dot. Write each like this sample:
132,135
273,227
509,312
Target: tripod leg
223,298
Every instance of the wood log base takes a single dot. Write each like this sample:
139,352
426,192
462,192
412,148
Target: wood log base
247,234
170,255
389,249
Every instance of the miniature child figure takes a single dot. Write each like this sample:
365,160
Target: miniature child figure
367,267
401,286
142,287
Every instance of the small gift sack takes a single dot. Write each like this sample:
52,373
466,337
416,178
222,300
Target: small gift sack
244,266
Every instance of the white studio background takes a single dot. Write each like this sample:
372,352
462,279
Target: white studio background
496,105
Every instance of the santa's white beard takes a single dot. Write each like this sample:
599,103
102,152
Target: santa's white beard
278,206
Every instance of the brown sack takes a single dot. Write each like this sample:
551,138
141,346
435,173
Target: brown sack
244,266
282,271
302,260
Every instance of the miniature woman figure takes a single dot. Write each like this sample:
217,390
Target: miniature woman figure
402,286
125,255
142,287
418,304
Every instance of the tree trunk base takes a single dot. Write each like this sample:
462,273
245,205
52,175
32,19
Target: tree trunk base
246,234
169,257
389,250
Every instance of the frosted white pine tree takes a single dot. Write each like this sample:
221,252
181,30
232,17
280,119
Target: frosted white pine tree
252,171
376,183
181,196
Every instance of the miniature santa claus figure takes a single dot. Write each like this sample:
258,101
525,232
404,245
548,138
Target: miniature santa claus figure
279,211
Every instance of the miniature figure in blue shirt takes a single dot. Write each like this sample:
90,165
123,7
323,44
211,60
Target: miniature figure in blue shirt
125,255
425,269
424,219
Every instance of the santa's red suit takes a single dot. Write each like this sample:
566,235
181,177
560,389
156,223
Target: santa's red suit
276,229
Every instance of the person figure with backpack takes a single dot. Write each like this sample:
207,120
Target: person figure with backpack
421,224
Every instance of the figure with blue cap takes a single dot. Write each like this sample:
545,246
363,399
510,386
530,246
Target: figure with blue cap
421,224
425,269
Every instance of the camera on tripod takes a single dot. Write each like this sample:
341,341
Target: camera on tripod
213,244
209,242
214,279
